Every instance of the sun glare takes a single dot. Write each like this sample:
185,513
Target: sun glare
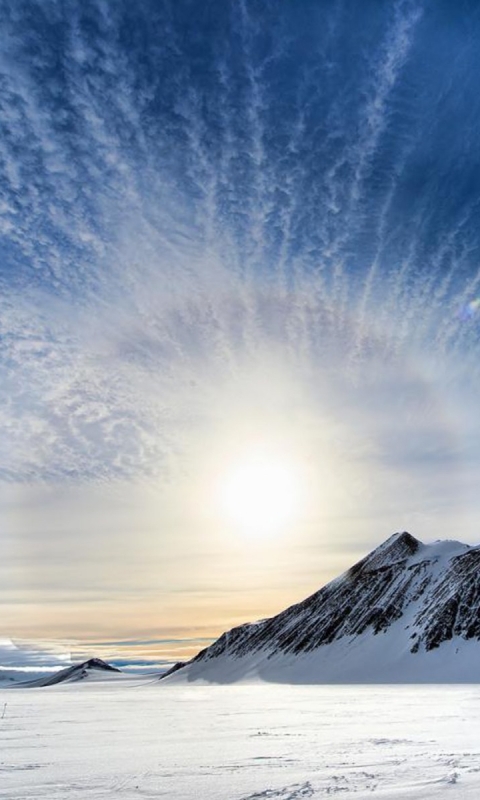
260,495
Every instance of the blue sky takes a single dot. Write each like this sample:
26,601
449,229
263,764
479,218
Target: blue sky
220,223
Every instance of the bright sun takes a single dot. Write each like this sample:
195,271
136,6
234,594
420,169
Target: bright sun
260,495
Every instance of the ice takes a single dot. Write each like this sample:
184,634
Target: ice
141,739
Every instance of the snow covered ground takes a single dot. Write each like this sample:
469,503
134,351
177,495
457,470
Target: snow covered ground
135,739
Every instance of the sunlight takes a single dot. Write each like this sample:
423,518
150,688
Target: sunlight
260,495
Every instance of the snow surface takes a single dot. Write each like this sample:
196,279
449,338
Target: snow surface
138,739
381,659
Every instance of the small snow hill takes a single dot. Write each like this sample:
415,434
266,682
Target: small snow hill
94,668
406,613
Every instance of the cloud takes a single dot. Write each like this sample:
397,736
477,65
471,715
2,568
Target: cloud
18,657
185,226
21,659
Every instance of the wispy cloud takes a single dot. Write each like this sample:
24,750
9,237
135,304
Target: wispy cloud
232,217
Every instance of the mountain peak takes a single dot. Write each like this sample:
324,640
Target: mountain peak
397,548
403,538
76,672
97,663
385,619
401,544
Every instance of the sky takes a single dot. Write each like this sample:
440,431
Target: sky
239,308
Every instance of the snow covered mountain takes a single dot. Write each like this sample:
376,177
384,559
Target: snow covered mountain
408,612
93,668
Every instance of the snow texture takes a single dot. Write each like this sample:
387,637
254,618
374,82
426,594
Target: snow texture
126,739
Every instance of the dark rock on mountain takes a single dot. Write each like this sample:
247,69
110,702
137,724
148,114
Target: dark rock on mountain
416,596
75,673
178,665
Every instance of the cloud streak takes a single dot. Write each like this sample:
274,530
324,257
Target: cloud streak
25,657
193,198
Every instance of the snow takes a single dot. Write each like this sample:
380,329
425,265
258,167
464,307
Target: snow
407,613
361,659
139,739
93,669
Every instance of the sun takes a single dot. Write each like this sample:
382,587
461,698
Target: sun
260,494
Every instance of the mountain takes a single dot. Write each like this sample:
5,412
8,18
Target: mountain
407,612
93,668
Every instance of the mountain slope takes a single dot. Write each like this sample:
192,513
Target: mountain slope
407,612
93,668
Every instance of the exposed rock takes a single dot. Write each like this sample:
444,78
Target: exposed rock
433,590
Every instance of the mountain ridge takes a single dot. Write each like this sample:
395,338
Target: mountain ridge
400,603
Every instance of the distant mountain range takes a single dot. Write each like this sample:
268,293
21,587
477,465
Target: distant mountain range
407,612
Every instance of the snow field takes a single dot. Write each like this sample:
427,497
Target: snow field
118,739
